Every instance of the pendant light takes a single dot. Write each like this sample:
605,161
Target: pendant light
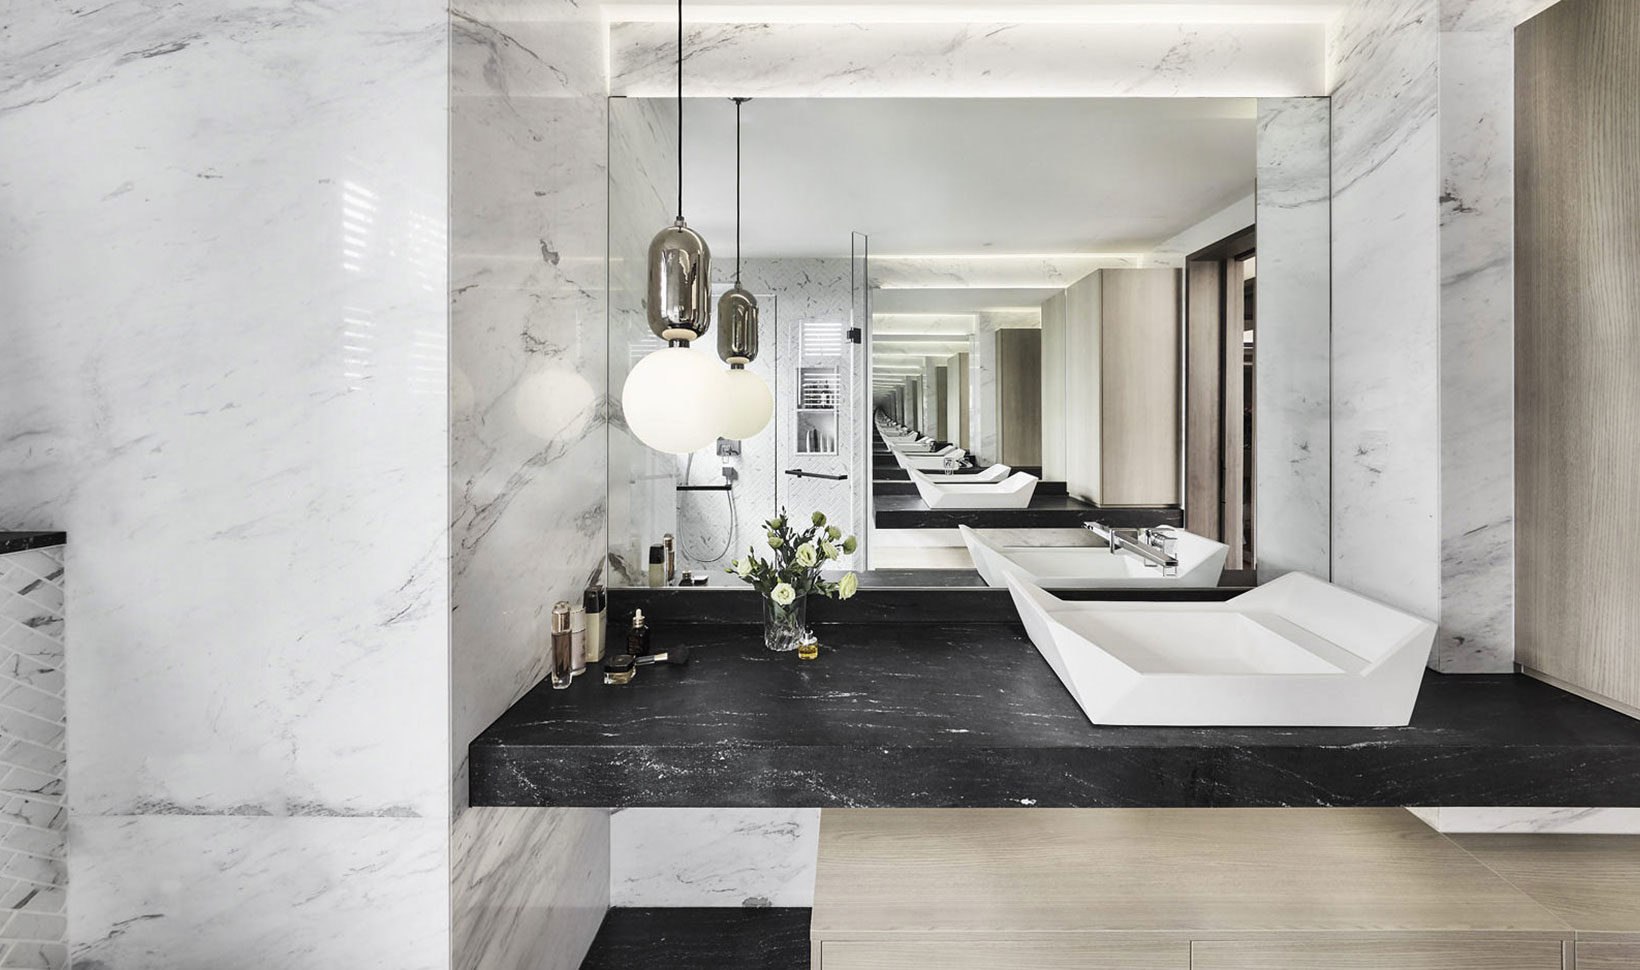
674,398
748,402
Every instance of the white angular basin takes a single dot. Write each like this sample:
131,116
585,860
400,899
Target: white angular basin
1296,652
1201,563
988,476
1013,492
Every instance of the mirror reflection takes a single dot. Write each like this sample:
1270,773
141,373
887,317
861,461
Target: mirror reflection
1000,336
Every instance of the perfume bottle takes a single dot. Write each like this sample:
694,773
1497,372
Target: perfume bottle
657,566
671,546
594,601
558,650
808,648
577,640
637,638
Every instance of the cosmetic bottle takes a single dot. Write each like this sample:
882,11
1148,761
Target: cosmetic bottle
594,601
558,651
577,640
808,648
619,669
637,638
671,546
657,566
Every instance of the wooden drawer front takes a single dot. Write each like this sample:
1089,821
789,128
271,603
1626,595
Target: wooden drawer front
1344,954
1608,956
1139,955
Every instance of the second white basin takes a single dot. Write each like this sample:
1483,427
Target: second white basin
1013,492
1201,563
1296,652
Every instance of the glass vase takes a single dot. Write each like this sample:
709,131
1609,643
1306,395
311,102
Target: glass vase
784,626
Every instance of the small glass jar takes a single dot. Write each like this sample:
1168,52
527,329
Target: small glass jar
808,647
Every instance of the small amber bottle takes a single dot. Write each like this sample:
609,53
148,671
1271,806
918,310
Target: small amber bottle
808,648
637,638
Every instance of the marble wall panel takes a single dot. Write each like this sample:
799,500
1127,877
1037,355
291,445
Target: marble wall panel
527,325
33,771
529,886
1292,386
713,857
949,60
1386,304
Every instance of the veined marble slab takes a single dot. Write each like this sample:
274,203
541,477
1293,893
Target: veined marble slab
713,856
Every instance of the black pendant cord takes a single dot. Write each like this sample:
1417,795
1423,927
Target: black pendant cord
680,110
738,103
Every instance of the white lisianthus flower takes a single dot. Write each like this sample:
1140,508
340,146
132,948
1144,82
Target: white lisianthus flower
850,544
827,549
819,518
783,594
743,568
775,541
833,533
807,555
847,585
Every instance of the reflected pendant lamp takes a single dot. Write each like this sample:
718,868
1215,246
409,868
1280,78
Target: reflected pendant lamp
748,403
674,399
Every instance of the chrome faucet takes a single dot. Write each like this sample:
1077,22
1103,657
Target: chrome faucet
1155,546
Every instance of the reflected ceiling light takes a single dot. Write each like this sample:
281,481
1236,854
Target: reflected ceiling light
747,400
673,399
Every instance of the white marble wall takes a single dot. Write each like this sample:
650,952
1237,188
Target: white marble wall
642,200
230,362
1477,332
1561,821
713,857
1293,481
33,802
1386,303
528,452
954,60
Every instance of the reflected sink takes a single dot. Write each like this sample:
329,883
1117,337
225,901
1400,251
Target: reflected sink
1013,492
1201,563
932,461
988,476
1296,652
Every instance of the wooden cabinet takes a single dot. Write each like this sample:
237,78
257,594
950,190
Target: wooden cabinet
1595,955
1019,397
1122,387
981,955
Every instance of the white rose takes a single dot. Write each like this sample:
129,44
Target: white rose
743,568
807,555
828,550
783,594
847,586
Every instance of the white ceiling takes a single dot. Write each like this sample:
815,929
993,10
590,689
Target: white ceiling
978,11
964,176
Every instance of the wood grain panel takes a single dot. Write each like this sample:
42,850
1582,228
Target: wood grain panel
1019,396
1034,873
1084,305
1116,955
1594,955
1139,387
1235,403
964,381
1592,882
1345,954
1577,346
1053,389
942,413
1204,343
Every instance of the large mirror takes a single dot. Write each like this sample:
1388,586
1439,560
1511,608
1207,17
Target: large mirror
1001,335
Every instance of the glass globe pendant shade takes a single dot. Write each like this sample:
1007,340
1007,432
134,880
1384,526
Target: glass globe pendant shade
673,400
749,404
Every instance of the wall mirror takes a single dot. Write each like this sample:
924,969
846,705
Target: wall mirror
985,324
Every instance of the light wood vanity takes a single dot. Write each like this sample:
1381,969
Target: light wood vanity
1221,889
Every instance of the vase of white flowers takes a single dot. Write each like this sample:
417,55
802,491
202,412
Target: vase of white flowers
792,572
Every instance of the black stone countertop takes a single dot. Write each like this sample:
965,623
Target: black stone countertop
686,938
19,541
970,715
1044,512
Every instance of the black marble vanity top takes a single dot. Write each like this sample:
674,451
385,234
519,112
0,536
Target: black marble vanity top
1044,512
19,541
970,715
